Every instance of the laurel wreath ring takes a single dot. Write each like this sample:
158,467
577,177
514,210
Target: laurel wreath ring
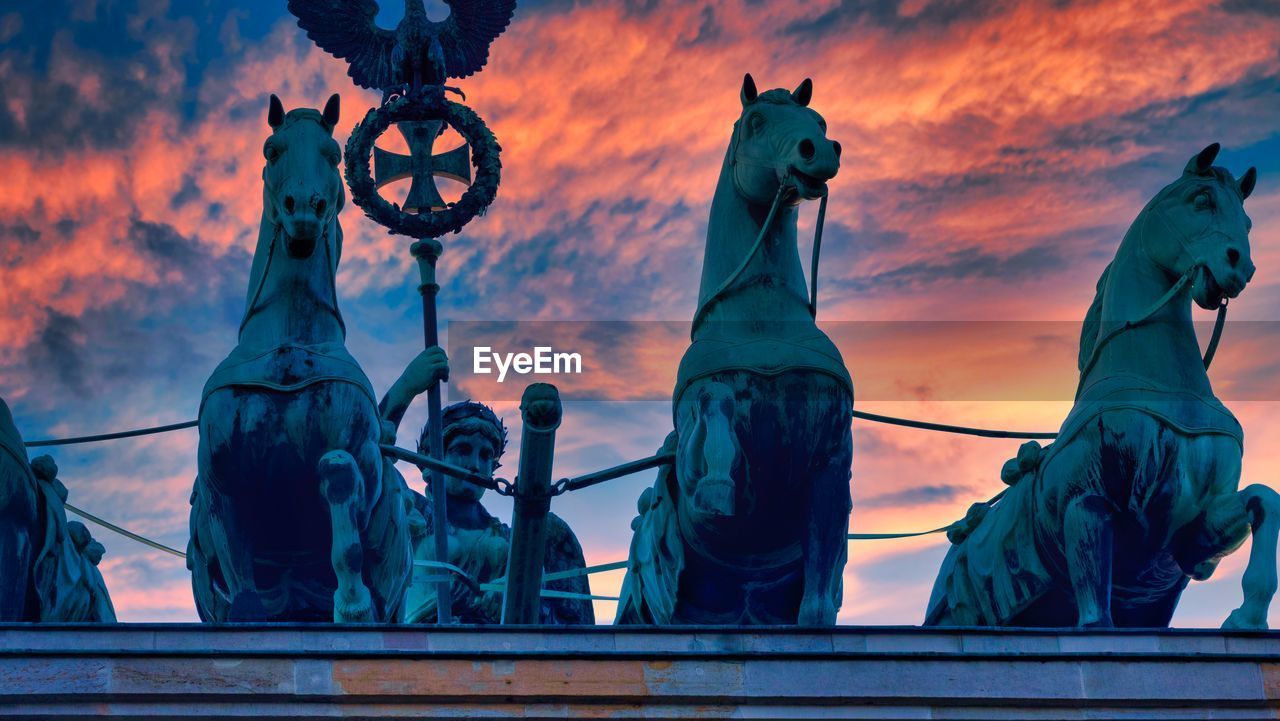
428,105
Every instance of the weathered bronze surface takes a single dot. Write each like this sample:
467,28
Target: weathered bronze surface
48,565
290,421
749,526
1140,493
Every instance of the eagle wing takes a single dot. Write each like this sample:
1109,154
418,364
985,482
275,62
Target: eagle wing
346,29
471,27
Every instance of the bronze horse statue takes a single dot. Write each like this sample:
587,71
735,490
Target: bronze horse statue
293,518
1140,492
19,524
749,526
48,566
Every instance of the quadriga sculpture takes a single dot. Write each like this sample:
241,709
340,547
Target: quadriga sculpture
749,527
1139,493
48,566
292,515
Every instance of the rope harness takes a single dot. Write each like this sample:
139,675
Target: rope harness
278,231
783,185
1174,291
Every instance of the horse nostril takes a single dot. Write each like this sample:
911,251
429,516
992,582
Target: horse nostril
1233,257
320,206
807,151
836,146
288,204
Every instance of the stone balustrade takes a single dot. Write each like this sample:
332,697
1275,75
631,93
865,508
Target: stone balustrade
282,671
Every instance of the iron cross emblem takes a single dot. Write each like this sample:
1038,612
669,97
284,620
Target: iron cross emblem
421,166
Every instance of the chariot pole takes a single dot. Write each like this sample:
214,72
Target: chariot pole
540,414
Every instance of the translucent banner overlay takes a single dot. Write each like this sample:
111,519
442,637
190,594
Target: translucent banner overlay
889,360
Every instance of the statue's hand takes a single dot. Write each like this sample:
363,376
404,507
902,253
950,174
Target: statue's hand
430,366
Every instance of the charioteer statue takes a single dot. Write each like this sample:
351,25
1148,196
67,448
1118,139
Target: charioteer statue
479,544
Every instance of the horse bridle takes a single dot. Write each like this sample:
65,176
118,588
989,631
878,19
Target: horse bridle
734,160
1187,277
276,232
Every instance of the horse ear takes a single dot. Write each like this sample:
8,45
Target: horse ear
803,94
749,91
275,114
1203,160
331,112
1247,181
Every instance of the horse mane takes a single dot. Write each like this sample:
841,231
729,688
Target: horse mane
297,114
777,96
1092,320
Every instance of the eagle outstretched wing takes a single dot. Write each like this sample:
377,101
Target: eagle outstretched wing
468,32
346,29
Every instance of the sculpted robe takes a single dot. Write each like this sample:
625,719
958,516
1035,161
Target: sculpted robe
482,553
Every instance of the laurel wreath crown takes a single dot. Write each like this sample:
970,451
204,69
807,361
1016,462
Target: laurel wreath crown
428,104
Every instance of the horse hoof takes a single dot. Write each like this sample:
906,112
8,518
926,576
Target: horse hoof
339,476
1242,620
247,607
714,498
1204,570
355,606
816,612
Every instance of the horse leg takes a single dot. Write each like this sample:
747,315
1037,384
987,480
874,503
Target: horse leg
1262,506
19,528
237,566
826,543
15,560
1089,546
342,486
707,453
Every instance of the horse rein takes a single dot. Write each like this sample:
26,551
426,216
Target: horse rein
277,231
764,230
1163,301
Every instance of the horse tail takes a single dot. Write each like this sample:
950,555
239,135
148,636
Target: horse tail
1092,321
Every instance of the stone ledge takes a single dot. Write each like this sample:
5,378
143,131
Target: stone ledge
283,671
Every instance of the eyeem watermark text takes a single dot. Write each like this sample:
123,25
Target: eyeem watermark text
543,361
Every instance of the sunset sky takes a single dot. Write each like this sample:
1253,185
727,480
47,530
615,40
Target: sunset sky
994,154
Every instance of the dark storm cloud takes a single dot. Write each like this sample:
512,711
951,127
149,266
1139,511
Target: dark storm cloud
81,75
56,362
895,15
1247,7
967,264
170,334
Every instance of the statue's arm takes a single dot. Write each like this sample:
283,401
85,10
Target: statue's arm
430,367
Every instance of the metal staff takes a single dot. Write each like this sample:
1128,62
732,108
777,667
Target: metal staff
427,251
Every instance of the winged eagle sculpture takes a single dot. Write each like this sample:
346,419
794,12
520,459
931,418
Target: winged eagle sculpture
418,52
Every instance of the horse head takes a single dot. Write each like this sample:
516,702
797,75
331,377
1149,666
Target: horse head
1203,229
779,141
302,188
